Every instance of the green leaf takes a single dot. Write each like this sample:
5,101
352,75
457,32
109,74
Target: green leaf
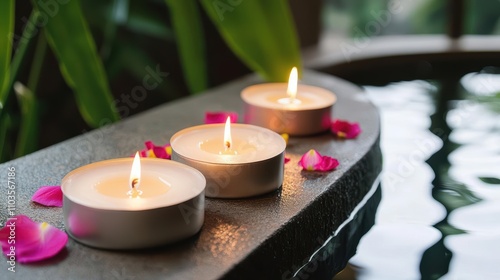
28,130
23,43
4,143
6,36
490,180
69,37
260,32
188,31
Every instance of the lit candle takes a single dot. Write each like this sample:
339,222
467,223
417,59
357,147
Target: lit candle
133,203
238,160
291,108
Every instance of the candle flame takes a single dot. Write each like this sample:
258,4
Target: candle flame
292,84
135,173
227,134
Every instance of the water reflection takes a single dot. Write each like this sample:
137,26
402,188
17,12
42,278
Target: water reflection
439,215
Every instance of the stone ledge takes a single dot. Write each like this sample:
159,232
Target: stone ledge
264,237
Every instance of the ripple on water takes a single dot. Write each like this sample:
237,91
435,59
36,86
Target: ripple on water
453,211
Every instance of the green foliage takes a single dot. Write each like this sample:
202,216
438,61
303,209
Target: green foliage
6,31
188,31
72,43
29,120
480,17
260,32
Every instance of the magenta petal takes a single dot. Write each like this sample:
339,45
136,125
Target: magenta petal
327,164
287,159
49,196
160,153
33,241
345,129
310,160
314,161
154,151
220,117
149,145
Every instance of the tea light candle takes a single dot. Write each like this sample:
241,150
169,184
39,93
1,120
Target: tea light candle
238,160
290,108
133,203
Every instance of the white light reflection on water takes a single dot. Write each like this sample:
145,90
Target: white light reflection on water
481,83
384,243
476,253
407,223
403,227
475,256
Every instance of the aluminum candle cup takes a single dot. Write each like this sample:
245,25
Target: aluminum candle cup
248,163
101,210
267,105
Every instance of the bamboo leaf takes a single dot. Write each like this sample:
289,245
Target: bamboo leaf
260,32
69,37
28,130
23,43
6,35
188,31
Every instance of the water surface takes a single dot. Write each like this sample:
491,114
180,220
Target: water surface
439,217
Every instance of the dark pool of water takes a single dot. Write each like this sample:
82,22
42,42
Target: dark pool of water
439,217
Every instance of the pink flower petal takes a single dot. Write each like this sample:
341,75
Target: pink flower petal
220,117
345,129
287,159
310,160
26,241
328,164
153,151
314,161
49,196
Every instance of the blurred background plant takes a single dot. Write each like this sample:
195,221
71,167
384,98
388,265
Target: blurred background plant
120,57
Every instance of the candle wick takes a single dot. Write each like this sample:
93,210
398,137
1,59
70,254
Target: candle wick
228,145
135,181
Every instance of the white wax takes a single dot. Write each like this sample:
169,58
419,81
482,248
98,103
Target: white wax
274,96
163,183
206,143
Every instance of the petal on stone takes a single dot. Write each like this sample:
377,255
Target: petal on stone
327,164
154,151
33,241
310,160
286,160
345,129
314,161
49,196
